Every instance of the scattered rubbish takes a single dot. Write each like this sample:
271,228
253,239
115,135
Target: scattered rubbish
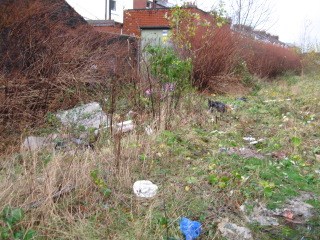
60,145
244,99
277,100
216,131
148,92
148,130
249,139
294,210
285,119
232,231
243,152
252,140
82,143
166,88
279,155
300,210
125,126
169,87
33,143
57,142
88,115
219,106
145,189
259,214
288,215
190,229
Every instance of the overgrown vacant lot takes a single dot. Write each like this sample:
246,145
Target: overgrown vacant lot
204,168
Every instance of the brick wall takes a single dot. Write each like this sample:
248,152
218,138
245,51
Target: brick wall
133,20
136,19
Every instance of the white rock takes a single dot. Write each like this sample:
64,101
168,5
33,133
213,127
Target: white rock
145,189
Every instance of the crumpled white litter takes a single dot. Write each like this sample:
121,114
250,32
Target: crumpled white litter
145,189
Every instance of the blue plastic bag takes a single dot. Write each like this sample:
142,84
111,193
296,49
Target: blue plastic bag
190,229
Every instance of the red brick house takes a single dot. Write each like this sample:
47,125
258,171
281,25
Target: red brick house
136,20
144,17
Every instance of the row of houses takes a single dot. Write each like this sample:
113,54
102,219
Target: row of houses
148,19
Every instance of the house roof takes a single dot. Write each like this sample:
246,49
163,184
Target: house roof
102,23
259,35
165,4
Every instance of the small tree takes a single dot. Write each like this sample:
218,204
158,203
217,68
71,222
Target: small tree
252,13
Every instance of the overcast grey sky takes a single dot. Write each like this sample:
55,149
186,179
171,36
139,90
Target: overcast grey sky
289,17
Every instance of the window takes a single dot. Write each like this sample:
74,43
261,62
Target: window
113,5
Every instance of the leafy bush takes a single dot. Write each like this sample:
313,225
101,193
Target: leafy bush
167,67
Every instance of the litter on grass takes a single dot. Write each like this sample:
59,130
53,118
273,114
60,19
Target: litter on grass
190,229
252,140
145,189
277,100
232,231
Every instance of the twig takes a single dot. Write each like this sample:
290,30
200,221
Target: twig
55,196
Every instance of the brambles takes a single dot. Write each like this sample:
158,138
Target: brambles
9,225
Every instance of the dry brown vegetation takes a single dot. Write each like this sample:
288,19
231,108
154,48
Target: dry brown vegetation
51,59
223,58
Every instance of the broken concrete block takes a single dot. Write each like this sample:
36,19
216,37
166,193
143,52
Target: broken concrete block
232,231
88,115
259,214
33,143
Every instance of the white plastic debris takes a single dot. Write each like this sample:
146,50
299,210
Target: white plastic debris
249,139
252,140
88,115
145,189
277,100
148,130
